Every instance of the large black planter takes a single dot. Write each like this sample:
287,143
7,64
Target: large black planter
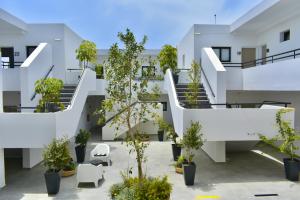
189,172
160,135
176,149
292,169
80,153
175,78
52,182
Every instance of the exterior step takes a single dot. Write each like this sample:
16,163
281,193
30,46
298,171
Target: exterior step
183,98
187,90
186,86
67,90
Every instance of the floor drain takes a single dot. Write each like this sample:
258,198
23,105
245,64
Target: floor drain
266,195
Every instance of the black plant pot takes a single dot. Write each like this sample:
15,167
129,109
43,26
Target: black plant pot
189,172
160,135
52,107
176,149
292,169
175,78
80,153
52,182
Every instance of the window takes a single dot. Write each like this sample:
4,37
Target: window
285,36
183,60
223,53
29,50
148,71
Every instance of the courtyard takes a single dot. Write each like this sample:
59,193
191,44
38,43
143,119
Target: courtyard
244,175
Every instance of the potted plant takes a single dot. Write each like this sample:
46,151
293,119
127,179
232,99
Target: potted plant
162,126
69,169
176,146
192,140
287,136
99,71
81,140
194,85
168,60
55,157
178,165
49,89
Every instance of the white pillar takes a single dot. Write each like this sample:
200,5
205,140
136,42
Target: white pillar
31,157
215,150
2,169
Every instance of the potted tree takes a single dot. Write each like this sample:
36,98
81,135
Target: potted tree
49,89
194,85
86,53
81,140
287,136
176,146
192,140
167,58
55,157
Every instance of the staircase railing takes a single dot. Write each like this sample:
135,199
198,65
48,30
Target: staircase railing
265,60
45,77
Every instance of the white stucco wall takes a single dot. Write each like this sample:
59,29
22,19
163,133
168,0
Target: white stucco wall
280,76
186,48
31,157
61,38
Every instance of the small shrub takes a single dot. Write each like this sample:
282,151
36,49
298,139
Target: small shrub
99,71
145,189
82,137
70,166
56,155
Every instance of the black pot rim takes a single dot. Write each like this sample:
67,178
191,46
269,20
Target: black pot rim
189,164
290,160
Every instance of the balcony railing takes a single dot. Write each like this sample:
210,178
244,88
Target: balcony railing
293,54
6,65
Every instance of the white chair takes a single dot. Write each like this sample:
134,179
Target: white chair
101,152
88,173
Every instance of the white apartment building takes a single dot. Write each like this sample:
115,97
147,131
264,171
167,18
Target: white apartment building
34,51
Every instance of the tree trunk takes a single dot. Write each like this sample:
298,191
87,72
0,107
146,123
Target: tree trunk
139,162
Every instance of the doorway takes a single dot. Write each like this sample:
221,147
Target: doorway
248,57
29,50
8,54
264,54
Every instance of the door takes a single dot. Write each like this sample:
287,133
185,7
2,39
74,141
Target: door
264,54
248,57
29,50
8,52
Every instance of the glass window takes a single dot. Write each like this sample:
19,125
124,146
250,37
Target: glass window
285,36
223,53
217,52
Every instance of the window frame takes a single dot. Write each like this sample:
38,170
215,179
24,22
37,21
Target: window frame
220,49
283,34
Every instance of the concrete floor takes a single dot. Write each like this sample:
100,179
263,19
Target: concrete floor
244,175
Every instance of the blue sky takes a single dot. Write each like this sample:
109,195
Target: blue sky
163,21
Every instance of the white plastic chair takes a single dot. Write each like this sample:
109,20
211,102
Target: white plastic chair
101,152
88,173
